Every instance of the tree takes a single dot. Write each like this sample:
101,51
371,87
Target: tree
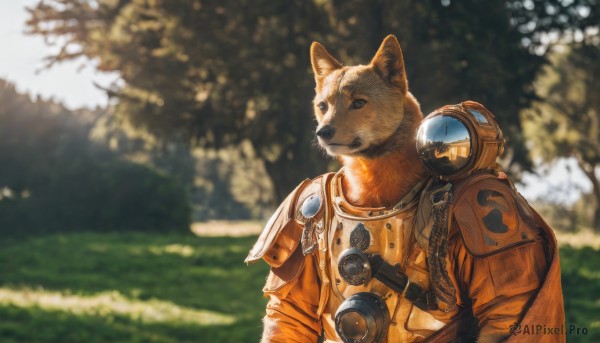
566,123
218,73
212,74
487,51
55,179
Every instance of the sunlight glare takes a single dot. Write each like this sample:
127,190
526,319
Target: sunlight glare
111,303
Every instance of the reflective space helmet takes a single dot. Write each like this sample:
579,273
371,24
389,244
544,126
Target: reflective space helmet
456,140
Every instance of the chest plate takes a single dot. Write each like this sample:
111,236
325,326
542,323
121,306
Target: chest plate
386,237
388,233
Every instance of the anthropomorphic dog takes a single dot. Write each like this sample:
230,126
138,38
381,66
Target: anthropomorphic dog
349,261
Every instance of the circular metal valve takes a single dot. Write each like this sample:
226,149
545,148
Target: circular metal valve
354,267
362,318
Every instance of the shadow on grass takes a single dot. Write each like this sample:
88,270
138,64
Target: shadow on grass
34,325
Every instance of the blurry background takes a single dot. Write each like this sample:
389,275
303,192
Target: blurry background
144,142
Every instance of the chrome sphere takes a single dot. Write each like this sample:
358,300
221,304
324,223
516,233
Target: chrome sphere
444,144
362,318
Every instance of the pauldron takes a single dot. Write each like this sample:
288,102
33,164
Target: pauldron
290,233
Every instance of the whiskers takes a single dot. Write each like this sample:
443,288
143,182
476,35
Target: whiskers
319,147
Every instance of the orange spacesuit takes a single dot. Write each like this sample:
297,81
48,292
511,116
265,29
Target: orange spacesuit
342,273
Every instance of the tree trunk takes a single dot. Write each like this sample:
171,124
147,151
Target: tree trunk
596,224
589,170
596,218
282,178
286,173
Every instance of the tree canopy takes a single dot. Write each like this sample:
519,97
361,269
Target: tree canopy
567,122
56,179
216,74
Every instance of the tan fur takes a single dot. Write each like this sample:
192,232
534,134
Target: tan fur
375,143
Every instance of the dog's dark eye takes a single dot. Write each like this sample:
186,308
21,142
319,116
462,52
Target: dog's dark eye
322,106
358,103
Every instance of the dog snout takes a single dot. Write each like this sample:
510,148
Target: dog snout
326,132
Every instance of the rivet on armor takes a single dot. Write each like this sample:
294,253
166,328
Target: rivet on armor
360,237
381,212
311,206
339,226
338,241
391,245
338,281
388,226
523,235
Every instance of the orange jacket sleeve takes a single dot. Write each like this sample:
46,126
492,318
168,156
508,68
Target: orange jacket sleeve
292,307
500,286
293,285
499,254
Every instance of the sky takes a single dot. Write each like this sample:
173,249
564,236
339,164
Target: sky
21,62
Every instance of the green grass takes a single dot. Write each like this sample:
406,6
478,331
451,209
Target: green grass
581,290
171,288
129,288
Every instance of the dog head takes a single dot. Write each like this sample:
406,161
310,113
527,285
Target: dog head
360,108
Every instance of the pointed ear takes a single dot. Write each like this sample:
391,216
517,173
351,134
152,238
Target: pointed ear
322,62
389,63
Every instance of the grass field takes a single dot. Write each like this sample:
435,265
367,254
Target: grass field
129,288
169,288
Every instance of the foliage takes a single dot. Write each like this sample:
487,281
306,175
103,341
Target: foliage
193,273
581,286
567,122
559,216
199,274
221,73
213,73
56,179
226,183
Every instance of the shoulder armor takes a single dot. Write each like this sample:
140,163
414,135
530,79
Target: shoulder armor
491,216
281,236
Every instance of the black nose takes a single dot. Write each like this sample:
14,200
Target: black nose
326,132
